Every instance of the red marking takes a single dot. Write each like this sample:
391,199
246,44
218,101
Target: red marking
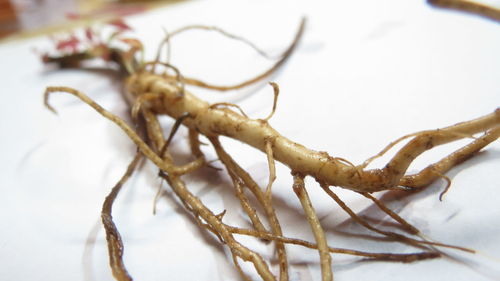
89,33
120,24
68,44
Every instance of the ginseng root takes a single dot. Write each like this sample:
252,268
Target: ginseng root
151,93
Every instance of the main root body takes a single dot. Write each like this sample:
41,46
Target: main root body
151,93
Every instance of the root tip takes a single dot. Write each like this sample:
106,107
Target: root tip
46,96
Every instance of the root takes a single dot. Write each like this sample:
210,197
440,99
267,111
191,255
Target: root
434,171
115,245
272,168
397,237
404,258
199,209
174,129
239,173
276,90
151,92
227,104
470,7
283,58
200,117
409,228
143,147
169,35
319,234
448,185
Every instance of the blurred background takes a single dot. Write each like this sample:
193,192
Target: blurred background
20,18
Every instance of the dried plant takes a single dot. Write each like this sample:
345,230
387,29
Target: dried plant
154,88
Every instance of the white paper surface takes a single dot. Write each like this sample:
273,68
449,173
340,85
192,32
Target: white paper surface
366,73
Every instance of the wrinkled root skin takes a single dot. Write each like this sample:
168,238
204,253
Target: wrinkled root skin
211,121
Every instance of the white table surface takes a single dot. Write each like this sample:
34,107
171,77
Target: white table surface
365,73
